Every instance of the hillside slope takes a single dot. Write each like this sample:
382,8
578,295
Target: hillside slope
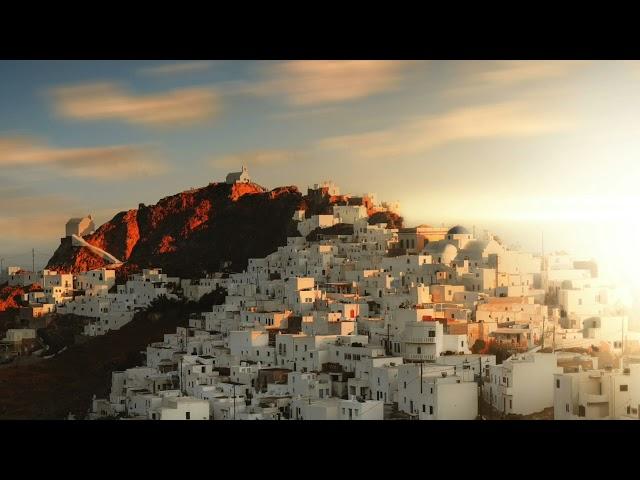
52,388
206,229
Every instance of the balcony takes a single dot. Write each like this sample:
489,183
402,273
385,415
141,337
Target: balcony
592,398
420,339
422,357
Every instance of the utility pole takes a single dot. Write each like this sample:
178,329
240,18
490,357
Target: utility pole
388,339
234,401
480,385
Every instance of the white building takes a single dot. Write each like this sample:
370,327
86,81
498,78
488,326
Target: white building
437,392
596,394
181,408
522,384
80,226
238,177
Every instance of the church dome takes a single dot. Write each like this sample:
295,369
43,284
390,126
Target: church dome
458,229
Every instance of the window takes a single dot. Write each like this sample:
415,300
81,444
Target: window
432,333
419,350
557,383
188,415
424,408
567,407
624,388
405,386
430,409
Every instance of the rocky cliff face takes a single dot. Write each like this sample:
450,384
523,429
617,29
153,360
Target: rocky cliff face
206,229
10,298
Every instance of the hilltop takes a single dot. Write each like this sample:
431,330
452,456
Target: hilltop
213,228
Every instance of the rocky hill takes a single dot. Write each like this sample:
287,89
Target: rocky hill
206,229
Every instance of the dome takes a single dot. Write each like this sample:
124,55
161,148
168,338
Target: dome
458,229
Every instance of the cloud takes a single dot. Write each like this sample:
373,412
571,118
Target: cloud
177,68
424,133
27,214
106,162
511,72
311,112
108,101
32,227
315,82
503,74
257,158
23,201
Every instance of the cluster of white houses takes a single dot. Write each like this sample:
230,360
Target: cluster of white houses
92,294
345,326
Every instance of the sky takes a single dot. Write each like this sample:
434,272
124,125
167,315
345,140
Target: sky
523,148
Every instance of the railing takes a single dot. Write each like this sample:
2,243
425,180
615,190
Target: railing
590,398
416,356
420,339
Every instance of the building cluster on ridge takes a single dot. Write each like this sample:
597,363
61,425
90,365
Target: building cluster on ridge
375,324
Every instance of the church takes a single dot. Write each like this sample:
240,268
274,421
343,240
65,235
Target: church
239,177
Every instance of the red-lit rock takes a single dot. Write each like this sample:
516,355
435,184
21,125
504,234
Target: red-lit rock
198,230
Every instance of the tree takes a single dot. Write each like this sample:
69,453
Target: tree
478,346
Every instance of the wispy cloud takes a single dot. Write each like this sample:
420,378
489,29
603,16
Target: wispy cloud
306,113
177,68
424,133
104,162
34,226
508,73
257,158
109,101
316,82
29,214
